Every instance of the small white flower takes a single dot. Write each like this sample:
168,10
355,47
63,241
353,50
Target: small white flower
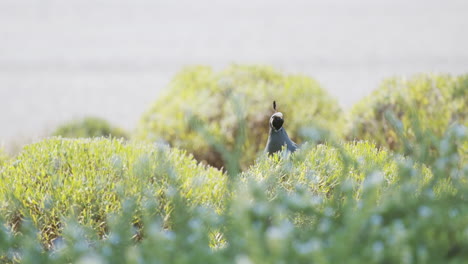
308,247
329,211
243,259
373,179
378,247
376,220
90,259
424,211
324,225
453,213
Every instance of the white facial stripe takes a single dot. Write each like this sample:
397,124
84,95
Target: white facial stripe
278,114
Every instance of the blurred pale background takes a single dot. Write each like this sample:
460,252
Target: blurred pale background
110,58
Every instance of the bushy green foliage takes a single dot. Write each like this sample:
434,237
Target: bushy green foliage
87,178
89,127
418,218
328,203
401,214
323,167
434,102
209,96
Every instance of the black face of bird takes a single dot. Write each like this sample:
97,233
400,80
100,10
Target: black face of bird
276,121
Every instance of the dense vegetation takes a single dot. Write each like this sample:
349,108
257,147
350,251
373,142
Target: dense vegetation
213,97
348,202
89,127
434,102
86,179
333,201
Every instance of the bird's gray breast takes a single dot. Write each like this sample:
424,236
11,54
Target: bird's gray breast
277,139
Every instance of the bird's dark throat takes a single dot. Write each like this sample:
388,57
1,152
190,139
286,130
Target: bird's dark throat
277,123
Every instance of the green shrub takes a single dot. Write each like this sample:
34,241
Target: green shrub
88,178
404,222
421,104
330,203
323,167
213,97
89,127
377,218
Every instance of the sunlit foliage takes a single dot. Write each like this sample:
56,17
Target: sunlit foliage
405,109
209,96
106,201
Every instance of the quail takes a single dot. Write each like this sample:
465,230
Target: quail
278,137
